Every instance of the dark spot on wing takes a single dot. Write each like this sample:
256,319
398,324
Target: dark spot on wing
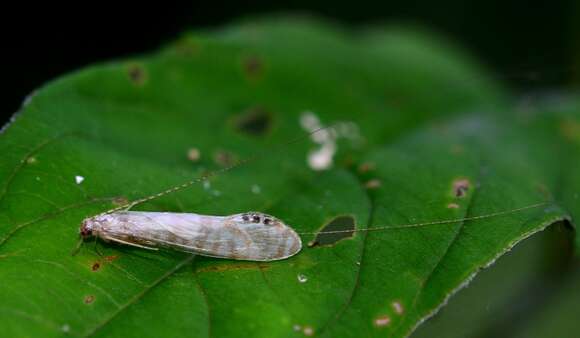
255,121
337,229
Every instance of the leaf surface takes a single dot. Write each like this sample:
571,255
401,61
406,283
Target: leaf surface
433,139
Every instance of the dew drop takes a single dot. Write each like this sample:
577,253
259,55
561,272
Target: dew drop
79,179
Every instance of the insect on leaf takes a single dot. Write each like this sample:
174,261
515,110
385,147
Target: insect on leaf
419,134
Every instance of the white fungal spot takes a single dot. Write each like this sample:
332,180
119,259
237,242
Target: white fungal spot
382,321
65,328
79,179
308,331
206,185
302,278
297,327
256,189
398,307
322,158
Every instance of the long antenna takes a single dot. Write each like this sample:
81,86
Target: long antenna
207,176
445,221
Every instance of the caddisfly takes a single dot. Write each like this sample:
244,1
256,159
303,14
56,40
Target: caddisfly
248,236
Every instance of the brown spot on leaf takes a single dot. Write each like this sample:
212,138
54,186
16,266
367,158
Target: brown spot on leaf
193,154
398,307
373,184
337,229
382,321
137,74
225,158
89,299
366,167
255,121
461,187
308,331
96,266
111,258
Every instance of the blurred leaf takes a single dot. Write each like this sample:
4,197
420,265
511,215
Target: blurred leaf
501,300
557,317
437,140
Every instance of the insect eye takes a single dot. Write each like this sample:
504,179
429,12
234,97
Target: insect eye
85,232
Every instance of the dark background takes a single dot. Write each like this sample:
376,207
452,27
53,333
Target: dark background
514,38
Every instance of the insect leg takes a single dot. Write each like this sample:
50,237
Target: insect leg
97,248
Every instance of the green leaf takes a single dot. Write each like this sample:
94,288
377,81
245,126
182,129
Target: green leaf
437,140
